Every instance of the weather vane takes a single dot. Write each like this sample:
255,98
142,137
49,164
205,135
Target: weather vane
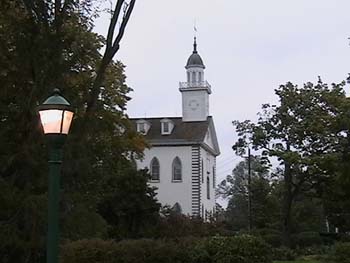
195,28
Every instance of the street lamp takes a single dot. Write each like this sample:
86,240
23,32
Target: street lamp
56,115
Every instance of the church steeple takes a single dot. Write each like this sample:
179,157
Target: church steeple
195,92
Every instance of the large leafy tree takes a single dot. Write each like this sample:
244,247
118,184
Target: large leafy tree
305,133
264,208
46,45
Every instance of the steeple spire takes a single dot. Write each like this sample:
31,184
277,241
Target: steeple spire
195,45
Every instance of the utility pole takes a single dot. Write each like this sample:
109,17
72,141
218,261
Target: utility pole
249,192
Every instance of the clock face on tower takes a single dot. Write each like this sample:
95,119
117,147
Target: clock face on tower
193,104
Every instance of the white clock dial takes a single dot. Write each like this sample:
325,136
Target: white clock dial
193,104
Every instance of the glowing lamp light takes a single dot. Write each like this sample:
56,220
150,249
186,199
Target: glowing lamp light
56,114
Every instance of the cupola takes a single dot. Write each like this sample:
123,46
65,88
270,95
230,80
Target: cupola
195,60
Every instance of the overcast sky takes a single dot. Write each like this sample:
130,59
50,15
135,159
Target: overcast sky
249,49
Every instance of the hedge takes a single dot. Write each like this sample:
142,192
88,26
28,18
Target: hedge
241,249
341,253
307,239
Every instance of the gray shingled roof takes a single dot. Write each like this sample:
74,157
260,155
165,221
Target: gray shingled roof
184,133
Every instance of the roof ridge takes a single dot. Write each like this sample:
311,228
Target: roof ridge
164,117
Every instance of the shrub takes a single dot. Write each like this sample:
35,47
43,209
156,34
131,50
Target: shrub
313,250
242,249
307,239
274,240
283,253
341,253
130,251
88,250
271,236
239,249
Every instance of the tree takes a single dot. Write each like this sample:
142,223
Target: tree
43,45
128,204
235,187
300,133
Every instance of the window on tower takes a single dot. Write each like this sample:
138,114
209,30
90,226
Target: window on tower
208,165
193,76
208,187
177,170
214,175
200,76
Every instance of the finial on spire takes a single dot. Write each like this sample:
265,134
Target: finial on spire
195,45
195,28
195,37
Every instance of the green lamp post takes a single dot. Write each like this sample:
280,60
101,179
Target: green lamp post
56,115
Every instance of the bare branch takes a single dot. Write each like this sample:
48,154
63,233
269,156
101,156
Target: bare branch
110,50
122,27
113,23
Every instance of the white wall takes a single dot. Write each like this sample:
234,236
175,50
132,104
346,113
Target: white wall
171,192
208,204
202,111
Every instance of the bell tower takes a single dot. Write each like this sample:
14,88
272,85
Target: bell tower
195,91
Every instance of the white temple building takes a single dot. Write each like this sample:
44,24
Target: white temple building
182,157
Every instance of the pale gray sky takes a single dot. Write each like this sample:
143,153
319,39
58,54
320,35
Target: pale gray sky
249,49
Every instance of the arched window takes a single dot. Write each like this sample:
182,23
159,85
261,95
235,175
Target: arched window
155,169
208,187
177,169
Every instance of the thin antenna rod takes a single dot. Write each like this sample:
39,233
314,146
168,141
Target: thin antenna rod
250,225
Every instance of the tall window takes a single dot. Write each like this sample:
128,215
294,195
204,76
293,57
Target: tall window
208,187
188,76
193,76
199,76
155,169
214,177
208,166
177,169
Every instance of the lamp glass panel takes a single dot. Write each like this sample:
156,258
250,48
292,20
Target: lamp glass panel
51,120
67,120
